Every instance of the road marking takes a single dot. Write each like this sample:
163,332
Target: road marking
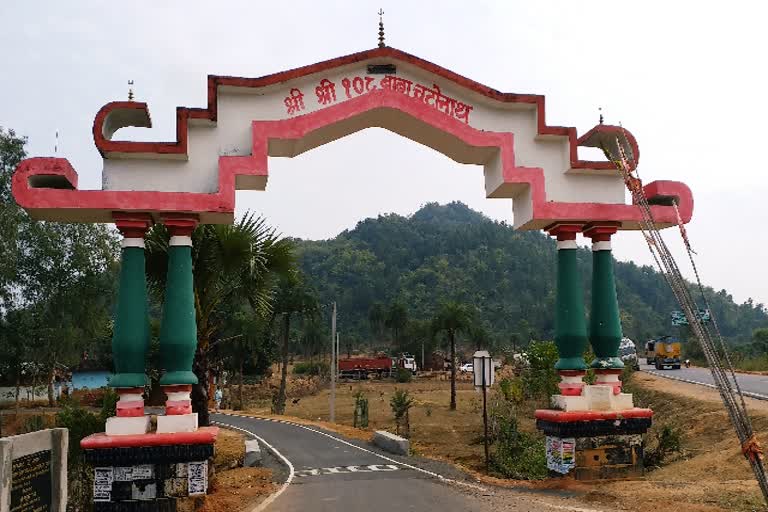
272,498
291,473
341,470
375,454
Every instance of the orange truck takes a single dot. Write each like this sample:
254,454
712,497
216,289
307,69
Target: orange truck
663,353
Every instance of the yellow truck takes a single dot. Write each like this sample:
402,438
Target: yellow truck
663,353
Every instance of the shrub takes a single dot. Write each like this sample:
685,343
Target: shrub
512,390
540,378
311,368
403,375
81,423
33,424
361,411
518,455
401,403
668,442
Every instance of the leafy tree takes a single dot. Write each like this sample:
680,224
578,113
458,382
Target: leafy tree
377,317
760,341
396,320
452,318
56,280
11,154
231,264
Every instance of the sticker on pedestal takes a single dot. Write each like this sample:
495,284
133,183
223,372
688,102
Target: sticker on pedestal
197,477
102,484
561,454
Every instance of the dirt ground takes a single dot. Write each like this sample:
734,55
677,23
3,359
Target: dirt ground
709,475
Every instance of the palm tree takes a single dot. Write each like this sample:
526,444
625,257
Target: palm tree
230,263
293,297
452,318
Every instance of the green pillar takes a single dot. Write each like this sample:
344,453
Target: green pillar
570,324
178,332
605,324
130,335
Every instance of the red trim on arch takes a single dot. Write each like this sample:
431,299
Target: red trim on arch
183,114
296,128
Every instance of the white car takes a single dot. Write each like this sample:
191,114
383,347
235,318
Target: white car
466,368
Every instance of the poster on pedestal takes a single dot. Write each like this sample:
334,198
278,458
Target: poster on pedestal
561,454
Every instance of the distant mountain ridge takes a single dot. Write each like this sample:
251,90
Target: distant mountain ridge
451,252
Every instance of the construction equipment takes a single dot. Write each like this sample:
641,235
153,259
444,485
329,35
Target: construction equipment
710,339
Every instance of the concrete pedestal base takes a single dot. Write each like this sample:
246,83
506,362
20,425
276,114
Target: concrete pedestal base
594,445
149,471
122,426
177,423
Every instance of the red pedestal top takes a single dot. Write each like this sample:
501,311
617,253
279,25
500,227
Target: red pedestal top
203,435
571,416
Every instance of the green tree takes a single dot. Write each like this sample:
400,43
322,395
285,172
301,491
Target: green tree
760,341
11,154
452,318
377,317
55,279
396,320
233,263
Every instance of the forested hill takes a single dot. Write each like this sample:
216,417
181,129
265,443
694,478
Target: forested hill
450,252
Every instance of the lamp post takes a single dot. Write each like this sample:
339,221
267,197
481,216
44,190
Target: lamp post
483,379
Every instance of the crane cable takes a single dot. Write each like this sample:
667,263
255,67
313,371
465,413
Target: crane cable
712,343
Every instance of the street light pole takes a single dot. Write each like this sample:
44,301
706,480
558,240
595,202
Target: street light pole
332,366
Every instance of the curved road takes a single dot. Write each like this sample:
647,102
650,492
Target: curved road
755,386
336,474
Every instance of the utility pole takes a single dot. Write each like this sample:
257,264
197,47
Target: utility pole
423,363
338,353
332,366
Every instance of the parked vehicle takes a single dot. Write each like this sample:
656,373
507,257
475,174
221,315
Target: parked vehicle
362,367
466,368
407,362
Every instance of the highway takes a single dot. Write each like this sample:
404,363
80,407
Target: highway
755,386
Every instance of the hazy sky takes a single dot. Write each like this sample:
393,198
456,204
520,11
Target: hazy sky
687,78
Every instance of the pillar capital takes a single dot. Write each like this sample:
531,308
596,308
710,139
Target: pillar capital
601,231
132,225
180,224
564,230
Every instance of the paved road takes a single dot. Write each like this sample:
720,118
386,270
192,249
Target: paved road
755,386
336,474
331,475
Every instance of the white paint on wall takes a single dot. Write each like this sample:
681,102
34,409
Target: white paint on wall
237,108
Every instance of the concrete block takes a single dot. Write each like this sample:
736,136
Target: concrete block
131,425
177,423
623,401
570,403
390,442
252,454
599,397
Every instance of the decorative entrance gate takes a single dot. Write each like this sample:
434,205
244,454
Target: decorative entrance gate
225,147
